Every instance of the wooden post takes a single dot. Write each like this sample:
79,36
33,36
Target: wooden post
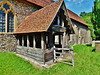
62,22
22,40
45,42
18,41
42,41
64,35
58,20
34,43
28,41
54,54
67,39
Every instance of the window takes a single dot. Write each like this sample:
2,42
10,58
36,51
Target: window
10,22
6,22
2,21
6,6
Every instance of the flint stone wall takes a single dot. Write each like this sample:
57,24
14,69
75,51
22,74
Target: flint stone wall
22,9
82,34
8,43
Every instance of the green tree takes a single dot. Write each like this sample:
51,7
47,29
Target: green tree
83,14
87,18
96,18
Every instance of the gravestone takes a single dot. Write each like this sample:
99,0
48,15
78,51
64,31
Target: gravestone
96,44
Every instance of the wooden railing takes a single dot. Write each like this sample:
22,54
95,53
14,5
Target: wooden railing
64,51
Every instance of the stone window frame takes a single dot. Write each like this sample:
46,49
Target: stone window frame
6,17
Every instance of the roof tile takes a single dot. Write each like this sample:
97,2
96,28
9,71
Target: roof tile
74,16
40,20
41,3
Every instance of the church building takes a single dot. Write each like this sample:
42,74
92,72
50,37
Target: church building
33,27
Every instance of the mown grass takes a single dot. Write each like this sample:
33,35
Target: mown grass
87,62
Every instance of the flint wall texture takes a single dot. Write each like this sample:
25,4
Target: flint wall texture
7,43
82,34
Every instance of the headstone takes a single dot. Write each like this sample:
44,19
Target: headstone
97,43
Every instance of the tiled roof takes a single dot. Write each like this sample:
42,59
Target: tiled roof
40,20
41,3
74,16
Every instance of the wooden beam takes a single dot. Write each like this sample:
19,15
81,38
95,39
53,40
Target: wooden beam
46,38
67,49
27,40
64,35
34,42
18,41
62,22
58,20
22,40
42,41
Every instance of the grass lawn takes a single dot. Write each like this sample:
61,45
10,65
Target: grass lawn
86,63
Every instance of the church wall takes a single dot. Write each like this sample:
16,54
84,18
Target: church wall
82,34
7,42
22,9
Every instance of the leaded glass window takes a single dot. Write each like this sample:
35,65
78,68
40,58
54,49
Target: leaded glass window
6,17
10,22
2,21
6,6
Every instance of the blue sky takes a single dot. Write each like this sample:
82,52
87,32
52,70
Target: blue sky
78,6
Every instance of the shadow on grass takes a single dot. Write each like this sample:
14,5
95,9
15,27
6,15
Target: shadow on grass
89,44
93,50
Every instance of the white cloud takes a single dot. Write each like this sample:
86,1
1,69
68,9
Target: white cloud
76,1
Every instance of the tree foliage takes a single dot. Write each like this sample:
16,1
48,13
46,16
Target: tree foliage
96,18
87,18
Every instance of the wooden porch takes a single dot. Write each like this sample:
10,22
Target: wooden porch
40,45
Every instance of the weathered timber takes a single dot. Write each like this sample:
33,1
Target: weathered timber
48,56
62,49
68,63
62,52
65,58
38,55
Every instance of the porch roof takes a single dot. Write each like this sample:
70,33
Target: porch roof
40,20
71,14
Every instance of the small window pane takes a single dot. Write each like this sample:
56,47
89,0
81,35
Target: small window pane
1,11
2,21
6,6
10,22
